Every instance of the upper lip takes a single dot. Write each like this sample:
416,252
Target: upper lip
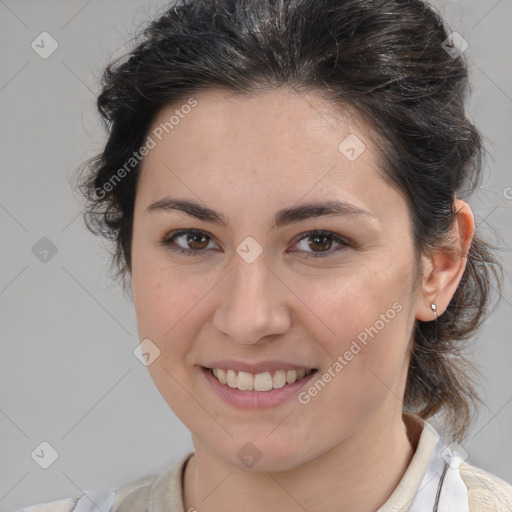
256,367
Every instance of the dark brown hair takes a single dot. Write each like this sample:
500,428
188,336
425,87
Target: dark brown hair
384,60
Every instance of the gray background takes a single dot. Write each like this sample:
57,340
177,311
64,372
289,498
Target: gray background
68,375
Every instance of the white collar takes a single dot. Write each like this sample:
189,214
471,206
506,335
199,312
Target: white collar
418,488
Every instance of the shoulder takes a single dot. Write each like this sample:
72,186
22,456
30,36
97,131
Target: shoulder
90,501
65,505
486,492
106,500
132,496
109,500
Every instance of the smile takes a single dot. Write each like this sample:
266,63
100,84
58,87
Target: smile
265,381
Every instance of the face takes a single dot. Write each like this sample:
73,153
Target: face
234,269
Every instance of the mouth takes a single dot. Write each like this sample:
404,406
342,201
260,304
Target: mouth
260,382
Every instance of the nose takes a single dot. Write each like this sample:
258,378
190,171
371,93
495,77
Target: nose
252,306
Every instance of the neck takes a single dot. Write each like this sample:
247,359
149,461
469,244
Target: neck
358,474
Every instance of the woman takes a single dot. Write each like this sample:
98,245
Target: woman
283,181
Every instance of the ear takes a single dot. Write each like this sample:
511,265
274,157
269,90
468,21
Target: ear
443,269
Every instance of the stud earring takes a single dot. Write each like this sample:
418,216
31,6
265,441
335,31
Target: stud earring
433,328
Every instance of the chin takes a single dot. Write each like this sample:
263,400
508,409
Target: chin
260,453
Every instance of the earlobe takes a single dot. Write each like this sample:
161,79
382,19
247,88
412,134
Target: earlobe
443,268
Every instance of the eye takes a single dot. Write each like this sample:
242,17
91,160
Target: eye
192,241
321,242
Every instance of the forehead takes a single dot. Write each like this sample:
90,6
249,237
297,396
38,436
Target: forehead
250,159
273,134
278,112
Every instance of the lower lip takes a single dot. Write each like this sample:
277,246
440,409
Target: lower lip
256,399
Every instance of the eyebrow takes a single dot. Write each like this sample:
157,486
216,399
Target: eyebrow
282,217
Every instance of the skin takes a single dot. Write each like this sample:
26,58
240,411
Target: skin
348,448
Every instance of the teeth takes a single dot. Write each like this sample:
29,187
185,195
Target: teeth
258,382
291,376
262,382
245,381
279,379
231,378
221,375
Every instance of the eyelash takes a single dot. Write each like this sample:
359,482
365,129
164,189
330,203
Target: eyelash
169,240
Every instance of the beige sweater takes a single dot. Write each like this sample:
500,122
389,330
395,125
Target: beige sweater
465,487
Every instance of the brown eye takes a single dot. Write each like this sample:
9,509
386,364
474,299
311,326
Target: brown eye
187,241
196,240
320,244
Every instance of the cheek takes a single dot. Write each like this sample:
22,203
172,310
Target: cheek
348,300
365,323
165,303
166,307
